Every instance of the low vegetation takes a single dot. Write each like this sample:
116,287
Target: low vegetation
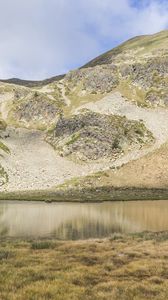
3,176
4,148
73,191
2,124
121,267
153,165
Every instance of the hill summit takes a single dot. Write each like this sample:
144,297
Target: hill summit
91,129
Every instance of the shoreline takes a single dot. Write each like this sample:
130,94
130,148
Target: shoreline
145,235
89,195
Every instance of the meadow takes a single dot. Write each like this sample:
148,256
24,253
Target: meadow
125,267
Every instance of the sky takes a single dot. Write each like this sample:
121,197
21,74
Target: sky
43,38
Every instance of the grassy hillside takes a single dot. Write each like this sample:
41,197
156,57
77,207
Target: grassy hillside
138,69
140,45
148,172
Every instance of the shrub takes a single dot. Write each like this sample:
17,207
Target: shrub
42,245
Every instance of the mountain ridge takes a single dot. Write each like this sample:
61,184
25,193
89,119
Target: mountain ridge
32,83
90,123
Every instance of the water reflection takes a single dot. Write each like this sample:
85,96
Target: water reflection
80,221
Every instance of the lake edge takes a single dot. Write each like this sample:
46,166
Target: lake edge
87,195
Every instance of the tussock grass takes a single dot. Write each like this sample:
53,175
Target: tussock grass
42,245
127,267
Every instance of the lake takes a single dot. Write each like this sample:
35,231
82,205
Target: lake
81,220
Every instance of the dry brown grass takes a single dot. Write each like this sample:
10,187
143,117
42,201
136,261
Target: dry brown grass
150,171
122,267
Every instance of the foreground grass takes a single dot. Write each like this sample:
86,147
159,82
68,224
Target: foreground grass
121,267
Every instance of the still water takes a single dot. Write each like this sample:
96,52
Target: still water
81,221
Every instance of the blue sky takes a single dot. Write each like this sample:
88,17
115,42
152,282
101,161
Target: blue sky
42,38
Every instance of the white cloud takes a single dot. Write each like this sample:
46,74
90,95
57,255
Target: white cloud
41,38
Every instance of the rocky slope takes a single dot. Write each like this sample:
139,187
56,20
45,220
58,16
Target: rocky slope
138,69
93,136
110,117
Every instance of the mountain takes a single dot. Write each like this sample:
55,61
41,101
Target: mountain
32,83
100,130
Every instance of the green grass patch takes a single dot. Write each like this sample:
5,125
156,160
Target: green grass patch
39,245
3,175
74,137
2,124
4,147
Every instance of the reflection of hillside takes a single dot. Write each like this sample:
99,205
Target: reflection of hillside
3,225
88,230
73,221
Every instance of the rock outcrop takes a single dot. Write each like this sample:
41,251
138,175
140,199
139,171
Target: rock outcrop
93,136
35,111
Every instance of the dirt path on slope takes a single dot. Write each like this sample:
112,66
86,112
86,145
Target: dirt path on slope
63,92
